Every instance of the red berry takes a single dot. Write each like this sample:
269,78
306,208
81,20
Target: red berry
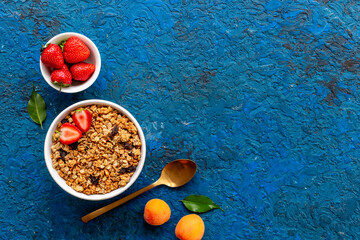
65,67
52,56
62,77
82,119
69,133
75,50
82,71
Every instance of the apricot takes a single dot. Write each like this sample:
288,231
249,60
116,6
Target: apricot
190,227
156,212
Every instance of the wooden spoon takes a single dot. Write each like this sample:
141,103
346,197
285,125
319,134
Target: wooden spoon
174,174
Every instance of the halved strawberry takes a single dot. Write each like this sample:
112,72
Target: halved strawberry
69,133
82,119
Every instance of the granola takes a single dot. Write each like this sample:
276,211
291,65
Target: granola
104,158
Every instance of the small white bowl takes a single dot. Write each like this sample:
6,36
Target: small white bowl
60,181
94,58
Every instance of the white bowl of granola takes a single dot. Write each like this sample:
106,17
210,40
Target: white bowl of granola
105,161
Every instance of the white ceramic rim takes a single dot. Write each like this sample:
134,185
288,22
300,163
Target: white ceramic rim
74,89
60,181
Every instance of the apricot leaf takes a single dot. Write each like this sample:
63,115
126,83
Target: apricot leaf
199,204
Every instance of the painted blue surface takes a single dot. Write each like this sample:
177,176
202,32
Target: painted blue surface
263,95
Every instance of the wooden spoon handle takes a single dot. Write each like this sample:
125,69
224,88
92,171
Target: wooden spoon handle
113,205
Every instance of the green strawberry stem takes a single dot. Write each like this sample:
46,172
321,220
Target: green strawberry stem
61,44
43,47
61,85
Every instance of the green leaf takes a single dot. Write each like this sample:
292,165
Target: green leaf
36,108
43,47
199,204
61,44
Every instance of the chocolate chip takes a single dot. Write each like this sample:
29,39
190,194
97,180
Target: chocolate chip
94,180
63,154
114,131
128,146
74,145
127,170
64,121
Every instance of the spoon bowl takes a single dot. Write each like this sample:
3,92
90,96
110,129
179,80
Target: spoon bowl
178,173
174,174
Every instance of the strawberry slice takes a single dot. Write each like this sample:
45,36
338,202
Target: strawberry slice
82,119
69,133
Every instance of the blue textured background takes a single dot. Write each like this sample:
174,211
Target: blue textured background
263,95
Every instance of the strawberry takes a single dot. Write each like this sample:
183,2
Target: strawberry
65,67
62,77
75,50
52,56
82,71
82,119
69,133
